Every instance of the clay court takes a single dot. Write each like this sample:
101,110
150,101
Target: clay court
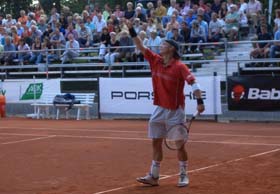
105,156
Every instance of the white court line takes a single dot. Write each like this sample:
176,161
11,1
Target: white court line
141,139
26,140
196,170
144,132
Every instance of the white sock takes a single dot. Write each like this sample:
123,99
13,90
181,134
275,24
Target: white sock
155,169
183,166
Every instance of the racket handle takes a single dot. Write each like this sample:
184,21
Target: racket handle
195,114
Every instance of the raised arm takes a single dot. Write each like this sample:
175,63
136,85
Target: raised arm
137,41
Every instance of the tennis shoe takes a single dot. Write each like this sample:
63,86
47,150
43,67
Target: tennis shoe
149,180
183,180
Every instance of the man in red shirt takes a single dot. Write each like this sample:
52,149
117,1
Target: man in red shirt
168,77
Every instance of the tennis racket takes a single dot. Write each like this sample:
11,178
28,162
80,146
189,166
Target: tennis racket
177,135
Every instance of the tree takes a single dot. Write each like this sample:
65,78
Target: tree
14,6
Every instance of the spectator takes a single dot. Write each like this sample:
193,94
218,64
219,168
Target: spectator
42,25
20,29
118,12
58,42
185,31
129,12
99,24
70,30
190,17
126,45
36,55
277,20
197,35
113,52
72,49
186,7
215,28
232,23
170,11
150,9
16,38
104,41
160,10
84,36
117,29
216,6
154,42
9,22
114,19
35,32
223,11
243,6
276,45
9,51
140,15
24,52
262,48
23,17
254,8
177,36
173,23
136,25
107,11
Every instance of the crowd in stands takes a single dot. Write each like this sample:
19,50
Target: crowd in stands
37,36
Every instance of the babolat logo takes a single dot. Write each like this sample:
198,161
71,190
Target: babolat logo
132,95
238,92
256,93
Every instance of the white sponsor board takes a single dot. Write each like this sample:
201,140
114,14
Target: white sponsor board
135,95
22,91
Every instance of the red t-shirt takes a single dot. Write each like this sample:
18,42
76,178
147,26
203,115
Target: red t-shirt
169,81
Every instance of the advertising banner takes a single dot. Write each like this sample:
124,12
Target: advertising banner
254,93
135,95
27,91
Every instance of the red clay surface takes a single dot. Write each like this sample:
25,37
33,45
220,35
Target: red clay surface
105,156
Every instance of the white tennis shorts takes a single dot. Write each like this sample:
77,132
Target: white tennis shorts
162,119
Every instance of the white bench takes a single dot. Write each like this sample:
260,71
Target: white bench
46,102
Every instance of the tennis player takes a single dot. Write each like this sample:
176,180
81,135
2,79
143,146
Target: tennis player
168,77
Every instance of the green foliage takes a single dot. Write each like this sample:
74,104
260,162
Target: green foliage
14,6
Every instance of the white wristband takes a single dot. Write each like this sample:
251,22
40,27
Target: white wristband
195,86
